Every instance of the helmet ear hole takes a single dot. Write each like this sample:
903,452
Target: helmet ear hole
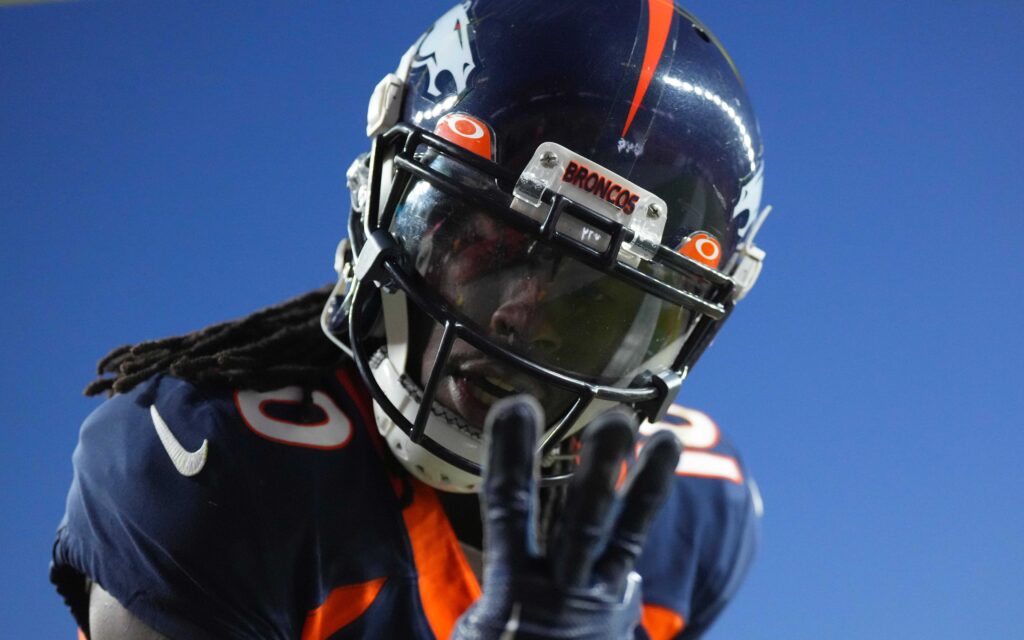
742,218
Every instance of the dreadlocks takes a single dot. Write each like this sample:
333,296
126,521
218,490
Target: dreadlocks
274,347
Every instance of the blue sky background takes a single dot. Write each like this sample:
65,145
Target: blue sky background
167,165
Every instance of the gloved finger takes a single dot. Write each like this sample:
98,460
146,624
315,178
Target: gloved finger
585,519
510,477
646,488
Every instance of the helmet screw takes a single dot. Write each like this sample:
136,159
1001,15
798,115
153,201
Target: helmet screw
548,159
653,211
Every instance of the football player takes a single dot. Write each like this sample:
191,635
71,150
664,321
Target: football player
556,216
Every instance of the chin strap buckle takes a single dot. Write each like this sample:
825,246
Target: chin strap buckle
668,384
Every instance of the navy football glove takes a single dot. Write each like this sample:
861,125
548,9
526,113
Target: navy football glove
584,585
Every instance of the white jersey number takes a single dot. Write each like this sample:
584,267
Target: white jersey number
699,434
333,432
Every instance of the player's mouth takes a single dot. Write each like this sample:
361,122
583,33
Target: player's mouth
488,389
475,386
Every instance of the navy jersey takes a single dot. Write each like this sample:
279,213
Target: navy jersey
703,540
280,515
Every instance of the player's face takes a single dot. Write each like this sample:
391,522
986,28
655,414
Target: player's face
538,303
526,300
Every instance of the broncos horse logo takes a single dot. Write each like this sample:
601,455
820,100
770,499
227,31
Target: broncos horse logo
445,47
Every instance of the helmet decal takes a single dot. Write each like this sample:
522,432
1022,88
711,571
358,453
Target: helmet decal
749,202
604,187
445,47
704,248
467,132
568,173
659,20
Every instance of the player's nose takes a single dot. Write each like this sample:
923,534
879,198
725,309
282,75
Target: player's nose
519,320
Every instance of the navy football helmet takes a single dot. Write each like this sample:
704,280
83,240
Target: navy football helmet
561,199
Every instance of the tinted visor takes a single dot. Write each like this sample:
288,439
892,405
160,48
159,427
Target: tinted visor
531,298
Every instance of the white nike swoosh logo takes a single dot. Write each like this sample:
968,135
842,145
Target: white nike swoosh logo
188,463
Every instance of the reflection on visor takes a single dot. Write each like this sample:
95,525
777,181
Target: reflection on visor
543,305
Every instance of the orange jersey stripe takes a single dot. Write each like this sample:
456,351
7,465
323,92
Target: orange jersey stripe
447,584
342,606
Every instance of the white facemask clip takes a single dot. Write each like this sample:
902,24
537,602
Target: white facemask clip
749,259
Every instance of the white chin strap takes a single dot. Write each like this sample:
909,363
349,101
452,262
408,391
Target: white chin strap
443,426
422,464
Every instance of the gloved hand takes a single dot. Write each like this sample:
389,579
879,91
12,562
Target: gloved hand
583,584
